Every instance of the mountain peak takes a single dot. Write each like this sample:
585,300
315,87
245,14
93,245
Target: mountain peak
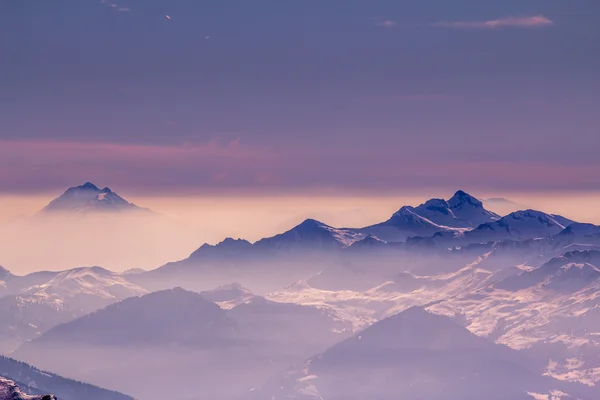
405,211
310,234
582,229
462,211
462,198
88,198
229,246
310,223
87,186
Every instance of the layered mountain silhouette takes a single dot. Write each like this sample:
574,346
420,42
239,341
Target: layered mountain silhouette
124,341
312,247
415,355
34,303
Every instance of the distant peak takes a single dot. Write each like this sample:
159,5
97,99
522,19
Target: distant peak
230,240
88,186
310,223
234,243
461,198
89,198
528,213
461,194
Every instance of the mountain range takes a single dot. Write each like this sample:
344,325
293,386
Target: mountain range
443,300
313,246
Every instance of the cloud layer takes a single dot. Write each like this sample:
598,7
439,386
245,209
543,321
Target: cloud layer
217,167
517,22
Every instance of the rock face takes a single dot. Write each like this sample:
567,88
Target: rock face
10,391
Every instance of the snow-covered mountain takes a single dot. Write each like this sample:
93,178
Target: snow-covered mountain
520,225
550,312
516,227
10,391
468,211
25,317
461,212
405,223
568,273
34,303
418,355
89,198
88,288
310,235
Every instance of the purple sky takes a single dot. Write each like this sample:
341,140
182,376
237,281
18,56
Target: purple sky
349,95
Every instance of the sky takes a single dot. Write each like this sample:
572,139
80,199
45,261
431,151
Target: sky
238,97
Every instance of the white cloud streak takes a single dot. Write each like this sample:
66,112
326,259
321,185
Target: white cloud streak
535,21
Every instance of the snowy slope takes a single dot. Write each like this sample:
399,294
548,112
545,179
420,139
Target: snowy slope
94,282
310,235
55,298
461,212
10,391
551,311
519,225
404,223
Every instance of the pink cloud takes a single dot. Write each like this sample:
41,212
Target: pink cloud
234,167
519,22
85,150
387,24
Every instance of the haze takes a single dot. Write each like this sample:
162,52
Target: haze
119,244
